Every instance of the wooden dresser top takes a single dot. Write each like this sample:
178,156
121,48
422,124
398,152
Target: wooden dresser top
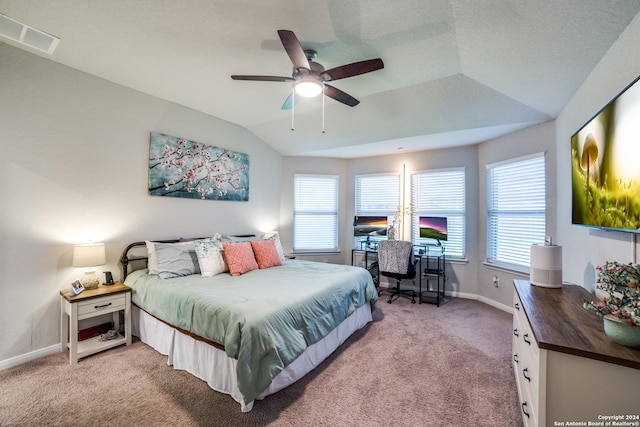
560,323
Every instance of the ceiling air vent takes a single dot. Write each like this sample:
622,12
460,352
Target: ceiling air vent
26,35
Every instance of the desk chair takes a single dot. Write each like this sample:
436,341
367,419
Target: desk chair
396,261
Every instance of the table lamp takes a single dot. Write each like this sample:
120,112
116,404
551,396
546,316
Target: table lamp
89,255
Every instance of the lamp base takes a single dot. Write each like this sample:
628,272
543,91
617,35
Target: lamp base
90,280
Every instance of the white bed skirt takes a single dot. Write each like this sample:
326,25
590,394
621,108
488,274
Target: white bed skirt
219,370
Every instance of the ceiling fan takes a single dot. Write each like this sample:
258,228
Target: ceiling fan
310,78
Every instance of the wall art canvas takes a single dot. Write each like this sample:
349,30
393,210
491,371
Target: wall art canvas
182,168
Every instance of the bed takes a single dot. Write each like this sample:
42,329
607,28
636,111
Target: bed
250,334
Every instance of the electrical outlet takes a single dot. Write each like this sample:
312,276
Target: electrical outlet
495,281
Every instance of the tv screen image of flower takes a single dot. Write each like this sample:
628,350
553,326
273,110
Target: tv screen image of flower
433,227
370,226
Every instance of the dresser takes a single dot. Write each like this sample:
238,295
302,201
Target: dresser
567,371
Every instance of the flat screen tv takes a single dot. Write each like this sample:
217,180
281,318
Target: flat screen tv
433,227
370,226
605,166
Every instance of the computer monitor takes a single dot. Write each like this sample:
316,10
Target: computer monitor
433,227
370,226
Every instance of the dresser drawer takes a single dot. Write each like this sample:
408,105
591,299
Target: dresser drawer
526,365
527,409
96,306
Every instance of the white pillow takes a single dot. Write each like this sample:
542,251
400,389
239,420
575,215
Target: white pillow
152,256
276,238
210,255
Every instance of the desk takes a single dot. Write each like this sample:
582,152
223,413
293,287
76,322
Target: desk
368,259
431,267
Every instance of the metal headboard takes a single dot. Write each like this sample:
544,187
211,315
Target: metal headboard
126,258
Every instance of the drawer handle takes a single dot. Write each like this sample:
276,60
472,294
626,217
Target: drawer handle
525,337
101,306
515,358
525,371
524,409
517,306
515,332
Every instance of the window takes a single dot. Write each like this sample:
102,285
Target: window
315,213
440,193
516,209
376,195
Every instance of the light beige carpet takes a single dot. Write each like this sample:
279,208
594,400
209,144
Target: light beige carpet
415,365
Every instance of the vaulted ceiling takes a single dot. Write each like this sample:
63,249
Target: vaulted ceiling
456,72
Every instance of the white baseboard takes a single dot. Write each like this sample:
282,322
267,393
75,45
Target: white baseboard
482,299
27,357
24,358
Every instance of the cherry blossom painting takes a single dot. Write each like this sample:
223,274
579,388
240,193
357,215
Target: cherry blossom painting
182,168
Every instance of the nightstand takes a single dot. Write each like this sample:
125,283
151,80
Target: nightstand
91,303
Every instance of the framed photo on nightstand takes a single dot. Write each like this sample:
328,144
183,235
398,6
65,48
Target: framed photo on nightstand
76,288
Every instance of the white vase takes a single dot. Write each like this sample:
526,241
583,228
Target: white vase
90,280
391,234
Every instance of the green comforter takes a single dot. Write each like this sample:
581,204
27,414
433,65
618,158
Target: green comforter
265,318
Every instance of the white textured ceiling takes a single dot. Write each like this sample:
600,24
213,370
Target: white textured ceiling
456,72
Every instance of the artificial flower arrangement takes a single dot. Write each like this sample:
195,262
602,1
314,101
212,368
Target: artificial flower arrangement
621,283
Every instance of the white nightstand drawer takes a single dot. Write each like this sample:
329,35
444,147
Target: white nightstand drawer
105,304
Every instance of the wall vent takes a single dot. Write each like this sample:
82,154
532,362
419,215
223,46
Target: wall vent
26,35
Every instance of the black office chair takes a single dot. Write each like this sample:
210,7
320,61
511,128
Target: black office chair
396,261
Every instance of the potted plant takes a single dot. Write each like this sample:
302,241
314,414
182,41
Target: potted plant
620,305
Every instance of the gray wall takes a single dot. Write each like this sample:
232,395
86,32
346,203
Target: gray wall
533,140
74,168
469,278
584,249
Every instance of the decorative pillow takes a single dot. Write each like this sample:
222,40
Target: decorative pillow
152,259
266,253
240,258
176,259
210,257
276,239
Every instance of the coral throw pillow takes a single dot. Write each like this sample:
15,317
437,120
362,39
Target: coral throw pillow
240,258
266,253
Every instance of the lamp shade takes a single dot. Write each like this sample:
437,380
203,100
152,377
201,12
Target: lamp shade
89,255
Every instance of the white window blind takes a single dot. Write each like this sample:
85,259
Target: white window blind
516,209
440,193
315,213
377,195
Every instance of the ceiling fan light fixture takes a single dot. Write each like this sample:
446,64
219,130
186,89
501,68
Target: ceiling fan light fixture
308,87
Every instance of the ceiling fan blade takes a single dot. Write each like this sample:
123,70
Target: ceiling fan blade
294,49
353,69
340,96
263,78
290,102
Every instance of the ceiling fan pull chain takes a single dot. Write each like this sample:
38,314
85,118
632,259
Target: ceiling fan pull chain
293,105
323,112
